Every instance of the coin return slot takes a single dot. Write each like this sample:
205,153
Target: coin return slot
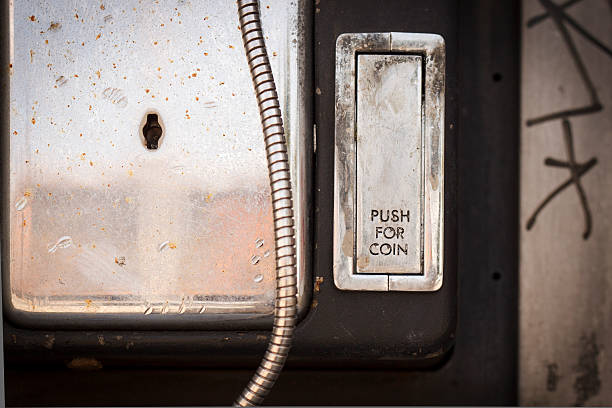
152,131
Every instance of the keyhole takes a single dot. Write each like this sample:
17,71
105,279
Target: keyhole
152,131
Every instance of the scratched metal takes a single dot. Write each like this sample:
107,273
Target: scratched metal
346,180
566,204
101,225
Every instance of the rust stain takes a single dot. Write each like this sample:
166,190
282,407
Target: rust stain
347,243
54,26
363,262
49,341
84,364
317,285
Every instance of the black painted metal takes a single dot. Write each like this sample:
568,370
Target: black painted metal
345,331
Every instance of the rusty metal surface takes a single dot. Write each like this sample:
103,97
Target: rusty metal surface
566,203
102,225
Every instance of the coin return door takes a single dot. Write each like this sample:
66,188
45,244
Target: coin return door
389,161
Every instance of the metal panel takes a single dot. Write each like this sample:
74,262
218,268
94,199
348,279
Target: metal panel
99,224
347,329
348,246
566,202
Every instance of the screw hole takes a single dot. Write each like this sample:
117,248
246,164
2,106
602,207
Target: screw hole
497,77
496,276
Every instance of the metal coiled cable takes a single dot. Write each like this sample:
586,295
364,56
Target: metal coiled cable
285,309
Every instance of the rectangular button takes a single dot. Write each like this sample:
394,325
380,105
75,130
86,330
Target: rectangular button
389,171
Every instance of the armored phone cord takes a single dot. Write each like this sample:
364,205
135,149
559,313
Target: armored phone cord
285,308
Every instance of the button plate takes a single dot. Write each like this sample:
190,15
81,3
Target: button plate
389,161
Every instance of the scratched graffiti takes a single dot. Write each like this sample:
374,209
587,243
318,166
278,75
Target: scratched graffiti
561,20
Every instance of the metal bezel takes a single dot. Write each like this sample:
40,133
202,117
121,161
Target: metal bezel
431,47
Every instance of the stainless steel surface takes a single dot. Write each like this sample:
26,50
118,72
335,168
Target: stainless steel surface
285,309
99,224
565,259
353,155
389,173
